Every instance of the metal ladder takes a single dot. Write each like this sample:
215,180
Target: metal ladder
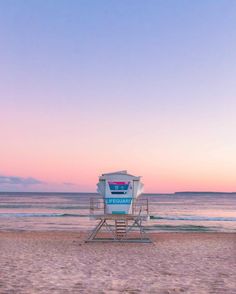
120,228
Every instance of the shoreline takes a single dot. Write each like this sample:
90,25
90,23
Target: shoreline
86,232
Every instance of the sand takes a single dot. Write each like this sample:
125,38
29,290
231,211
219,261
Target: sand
60,262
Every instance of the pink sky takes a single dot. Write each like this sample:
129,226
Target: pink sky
90,90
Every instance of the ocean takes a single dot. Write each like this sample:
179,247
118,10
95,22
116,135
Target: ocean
178,212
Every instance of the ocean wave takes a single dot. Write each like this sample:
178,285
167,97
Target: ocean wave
182,228
152,217
194,218
41,215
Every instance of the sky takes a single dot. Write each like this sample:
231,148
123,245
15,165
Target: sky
88,87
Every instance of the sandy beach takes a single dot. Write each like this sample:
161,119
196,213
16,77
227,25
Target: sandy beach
60,262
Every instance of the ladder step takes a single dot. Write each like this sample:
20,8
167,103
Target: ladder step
120,228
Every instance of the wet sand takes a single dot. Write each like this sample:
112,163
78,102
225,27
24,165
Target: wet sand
60,262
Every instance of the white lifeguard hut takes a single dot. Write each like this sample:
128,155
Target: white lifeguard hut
119,208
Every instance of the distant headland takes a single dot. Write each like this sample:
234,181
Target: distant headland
202,192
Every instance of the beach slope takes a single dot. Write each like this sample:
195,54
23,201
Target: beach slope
60,262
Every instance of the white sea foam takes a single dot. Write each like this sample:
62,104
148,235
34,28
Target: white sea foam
195,218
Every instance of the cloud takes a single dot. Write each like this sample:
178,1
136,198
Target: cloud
69,184
4,180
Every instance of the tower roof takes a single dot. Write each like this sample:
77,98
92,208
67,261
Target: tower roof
120,173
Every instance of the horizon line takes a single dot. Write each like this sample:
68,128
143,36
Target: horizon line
151,193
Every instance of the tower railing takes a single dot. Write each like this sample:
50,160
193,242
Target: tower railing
97,206
141,206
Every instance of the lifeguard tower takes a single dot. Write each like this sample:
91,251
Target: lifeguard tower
119,209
